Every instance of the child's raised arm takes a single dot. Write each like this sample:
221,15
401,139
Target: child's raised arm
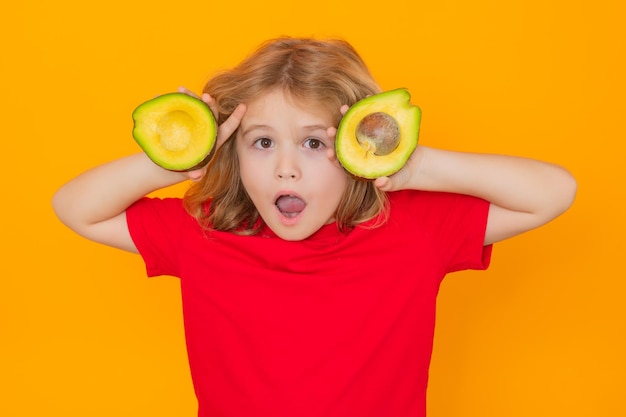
524,193
94,203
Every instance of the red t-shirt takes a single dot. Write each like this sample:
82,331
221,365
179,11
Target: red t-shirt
336,325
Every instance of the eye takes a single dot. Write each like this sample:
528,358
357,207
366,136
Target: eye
263,143
313,143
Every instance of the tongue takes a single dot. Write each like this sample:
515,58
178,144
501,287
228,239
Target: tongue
288,204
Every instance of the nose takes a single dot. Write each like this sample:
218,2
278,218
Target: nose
287,165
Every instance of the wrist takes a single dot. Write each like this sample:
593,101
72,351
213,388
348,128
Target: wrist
157,176
415,168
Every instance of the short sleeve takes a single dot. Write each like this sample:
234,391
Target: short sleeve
463,234
155,226
454,223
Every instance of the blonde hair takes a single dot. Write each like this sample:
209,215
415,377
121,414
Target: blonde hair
326,72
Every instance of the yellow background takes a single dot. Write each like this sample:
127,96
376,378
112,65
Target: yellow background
84,333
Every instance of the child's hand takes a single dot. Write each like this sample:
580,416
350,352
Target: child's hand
332,132
224,131
408,176
330,152
401,179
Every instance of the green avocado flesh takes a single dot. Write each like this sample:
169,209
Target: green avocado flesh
378,134
176,131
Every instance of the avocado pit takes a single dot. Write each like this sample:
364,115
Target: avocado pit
378,133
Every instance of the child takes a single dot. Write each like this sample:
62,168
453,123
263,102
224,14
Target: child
307,292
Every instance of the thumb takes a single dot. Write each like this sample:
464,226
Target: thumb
196,174
384,183
231,124
394,182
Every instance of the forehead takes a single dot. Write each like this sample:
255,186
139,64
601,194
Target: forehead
279,104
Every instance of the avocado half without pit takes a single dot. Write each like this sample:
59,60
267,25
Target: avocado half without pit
176,131
378,134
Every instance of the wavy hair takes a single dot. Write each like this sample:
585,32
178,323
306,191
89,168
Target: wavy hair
329,73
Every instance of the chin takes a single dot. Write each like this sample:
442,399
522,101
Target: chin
292,233
293,236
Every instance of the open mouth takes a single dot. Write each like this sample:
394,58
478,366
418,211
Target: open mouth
290,205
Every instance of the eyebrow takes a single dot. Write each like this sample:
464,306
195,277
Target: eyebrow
255,127
316,127
308,128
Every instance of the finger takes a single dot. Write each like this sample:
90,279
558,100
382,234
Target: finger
184,90
383,183
206,97
196,174
343,109
231,124
330,152
332,157
210,101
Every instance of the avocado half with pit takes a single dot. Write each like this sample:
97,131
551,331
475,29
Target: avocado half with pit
378,134
176,131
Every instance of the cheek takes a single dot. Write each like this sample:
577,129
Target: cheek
336,182
249,180
245,171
